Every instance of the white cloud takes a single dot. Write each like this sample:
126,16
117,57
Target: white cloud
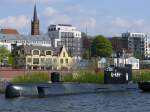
17,22
62,19
127,23
120,22
118,25
82,22
49,11
75,8
78,9
91,22
139,22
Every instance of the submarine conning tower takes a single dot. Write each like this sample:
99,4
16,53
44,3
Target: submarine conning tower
120,73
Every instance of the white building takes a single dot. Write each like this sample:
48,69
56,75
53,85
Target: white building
102,63
67,35
131,60
137,43
8,40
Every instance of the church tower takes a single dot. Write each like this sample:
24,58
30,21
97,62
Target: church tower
35,27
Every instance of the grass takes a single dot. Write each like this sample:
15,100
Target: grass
93,77
84,77
32,78
141,75
79,77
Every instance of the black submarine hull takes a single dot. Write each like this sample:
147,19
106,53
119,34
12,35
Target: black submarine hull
43,90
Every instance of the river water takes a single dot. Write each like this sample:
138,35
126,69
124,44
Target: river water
131,101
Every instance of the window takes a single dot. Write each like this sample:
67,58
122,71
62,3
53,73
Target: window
36,52
61,61
29,60
42,60
48,53
55,60
64,54
66,60
35,60
23,52
48,61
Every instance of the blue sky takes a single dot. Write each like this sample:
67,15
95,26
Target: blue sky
107,17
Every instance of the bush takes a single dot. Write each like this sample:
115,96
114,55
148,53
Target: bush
32,78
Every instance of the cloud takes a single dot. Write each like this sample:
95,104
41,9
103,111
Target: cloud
75,15
60,19
79,10
111,26
120,22
127,23
139,22
49,11
89,22
75,8
17,22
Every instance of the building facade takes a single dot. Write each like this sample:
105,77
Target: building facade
137,43
119,43
9,41
130,60
38,57
66,35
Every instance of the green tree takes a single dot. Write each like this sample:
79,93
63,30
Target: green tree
4,54
10,59
101,46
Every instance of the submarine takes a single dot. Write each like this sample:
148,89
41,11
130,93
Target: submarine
116,78
45,90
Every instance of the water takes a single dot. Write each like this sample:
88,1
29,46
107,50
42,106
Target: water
133,101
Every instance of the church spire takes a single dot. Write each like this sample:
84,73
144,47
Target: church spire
35,24
35,18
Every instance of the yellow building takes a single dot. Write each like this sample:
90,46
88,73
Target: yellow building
39,57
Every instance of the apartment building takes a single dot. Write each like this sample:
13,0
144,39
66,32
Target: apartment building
137,43
66,35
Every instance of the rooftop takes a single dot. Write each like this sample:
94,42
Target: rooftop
43,37
9,31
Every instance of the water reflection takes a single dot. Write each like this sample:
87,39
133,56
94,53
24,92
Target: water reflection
133,101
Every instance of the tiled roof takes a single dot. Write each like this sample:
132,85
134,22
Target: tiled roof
9,31
29,48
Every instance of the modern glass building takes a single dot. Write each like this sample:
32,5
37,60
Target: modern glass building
66,35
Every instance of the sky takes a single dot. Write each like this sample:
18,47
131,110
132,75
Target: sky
106,17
